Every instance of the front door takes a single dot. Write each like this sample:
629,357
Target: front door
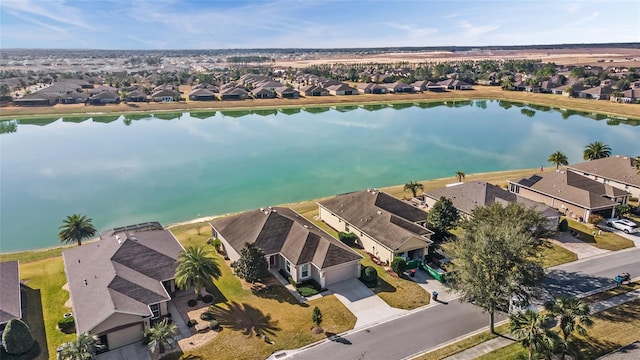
273,261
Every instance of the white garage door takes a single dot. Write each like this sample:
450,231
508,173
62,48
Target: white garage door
125,336
341,273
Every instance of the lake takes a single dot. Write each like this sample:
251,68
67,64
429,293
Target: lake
122,170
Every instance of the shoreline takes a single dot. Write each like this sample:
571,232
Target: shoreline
480,92
392,189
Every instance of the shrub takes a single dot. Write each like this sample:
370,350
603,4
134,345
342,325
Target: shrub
292,282
624,209
564,225
207,299
191,323
16,338
369,275
192,302
66,324
214,325
206,316
399,265
347,238
307,291
594,219
217,244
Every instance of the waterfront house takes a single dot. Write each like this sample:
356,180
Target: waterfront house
341,89
385,226
455,84
233,93
136,96
120,285
574,195
202,94
313,90
617,171
467,196
285,92
371,88
290,243
596,93
263,93
399,87
105,97
165,95
10,296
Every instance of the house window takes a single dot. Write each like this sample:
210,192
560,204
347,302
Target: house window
288,266
346,227
305,270
155,309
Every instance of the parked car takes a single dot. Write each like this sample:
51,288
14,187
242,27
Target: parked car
625,225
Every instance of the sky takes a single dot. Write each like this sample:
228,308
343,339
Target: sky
211,24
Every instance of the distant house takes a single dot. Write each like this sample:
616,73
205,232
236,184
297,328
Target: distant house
341,89
313,90
424,85
631,96
371,88
10,296
62,92
202,94
574,195
385,226
617,171
596,93
455,84
122,283
136,96
233,93
101,89
263,93
290,243
285,92
467,196
105,97
399,87
165,95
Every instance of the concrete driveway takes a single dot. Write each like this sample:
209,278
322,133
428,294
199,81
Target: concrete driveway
580,248
363,303
135,351
635,237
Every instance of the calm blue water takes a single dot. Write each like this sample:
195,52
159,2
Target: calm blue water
133,170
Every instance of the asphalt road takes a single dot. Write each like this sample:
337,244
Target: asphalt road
427,328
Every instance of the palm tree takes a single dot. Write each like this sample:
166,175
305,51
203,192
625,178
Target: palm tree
574,316
82,348
413,186
597,150
76,228
460,175
558,158
160,335
529,328
196,268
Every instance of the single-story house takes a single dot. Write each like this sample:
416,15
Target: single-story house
467,196
290,243
285,92
313,90
455,84
263,93
101,89
574,195
202,94
233,93
136,96
630,96
341,89
121,284
617,171
424,85
596,93
207,86
399,87
385,226
37,99
371,88
105,97
10,297
165,95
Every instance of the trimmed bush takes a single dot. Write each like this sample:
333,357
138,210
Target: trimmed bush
399,265
192,302
207,299
16,338
217,244
66,325
348,239
369,275
207,316
564,225
214,325
191,323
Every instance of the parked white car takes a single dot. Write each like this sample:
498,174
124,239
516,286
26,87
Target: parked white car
625,225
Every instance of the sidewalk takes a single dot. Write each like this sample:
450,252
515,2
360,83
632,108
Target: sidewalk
500,342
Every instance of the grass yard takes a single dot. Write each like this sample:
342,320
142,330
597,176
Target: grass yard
273,311
47,277
613,329
556,255
606,240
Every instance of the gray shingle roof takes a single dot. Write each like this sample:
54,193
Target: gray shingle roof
282,230
467,196
122,272
618,168
10,300
573,188
388,220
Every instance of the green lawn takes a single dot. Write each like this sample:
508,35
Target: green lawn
556,255
613,329
605,240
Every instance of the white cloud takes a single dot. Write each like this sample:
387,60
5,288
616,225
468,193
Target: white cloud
53,10
471,30
586,19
